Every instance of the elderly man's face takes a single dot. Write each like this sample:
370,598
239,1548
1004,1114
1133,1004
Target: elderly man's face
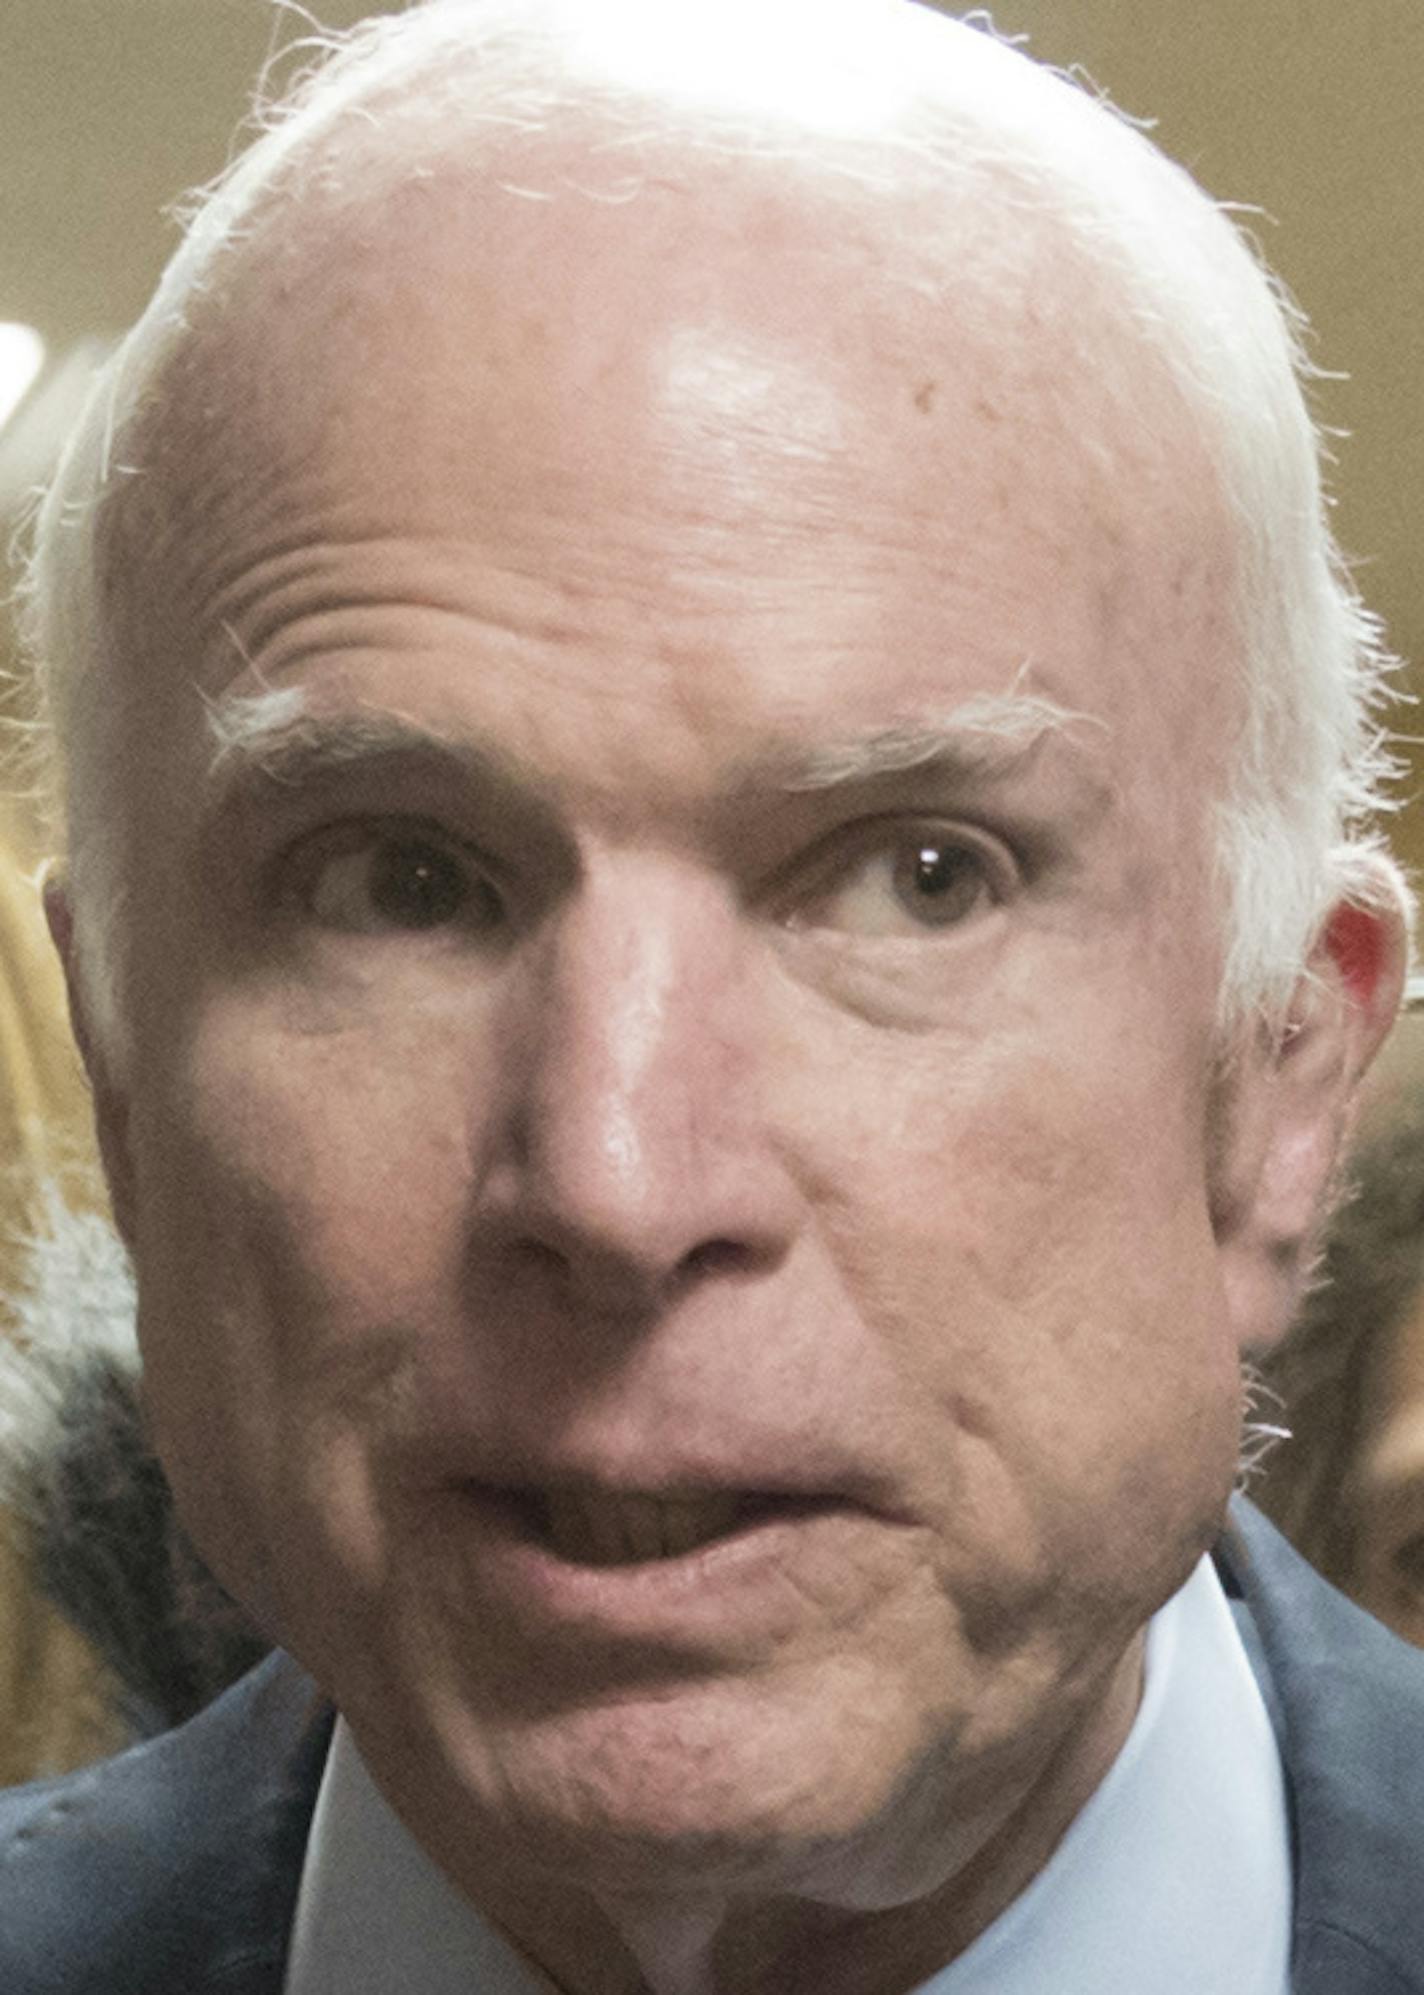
673,1221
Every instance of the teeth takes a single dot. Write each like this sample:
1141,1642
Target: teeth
689,1521
624,1530
641,1521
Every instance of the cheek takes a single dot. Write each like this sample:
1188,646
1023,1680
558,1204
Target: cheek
1027,1176
1034,1245
299,1228
315,1157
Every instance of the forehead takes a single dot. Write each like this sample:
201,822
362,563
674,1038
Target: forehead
766,406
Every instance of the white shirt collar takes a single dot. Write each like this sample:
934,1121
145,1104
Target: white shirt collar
1175,1876
375,1914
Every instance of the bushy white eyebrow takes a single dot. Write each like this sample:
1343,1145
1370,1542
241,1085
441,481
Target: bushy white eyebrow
239,724
985,735
275,733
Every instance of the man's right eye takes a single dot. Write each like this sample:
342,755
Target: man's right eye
373,881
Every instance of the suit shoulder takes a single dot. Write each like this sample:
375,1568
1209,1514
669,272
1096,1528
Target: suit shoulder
172,1868
1347,1698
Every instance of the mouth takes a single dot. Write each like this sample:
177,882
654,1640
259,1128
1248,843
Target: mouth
576,1565
589,1527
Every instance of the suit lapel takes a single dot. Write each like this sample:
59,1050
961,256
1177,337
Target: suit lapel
1347,1699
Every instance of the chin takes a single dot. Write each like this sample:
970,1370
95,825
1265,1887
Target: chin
708,1785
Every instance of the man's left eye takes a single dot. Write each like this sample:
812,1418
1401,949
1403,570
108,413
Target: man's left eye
921,881
377,882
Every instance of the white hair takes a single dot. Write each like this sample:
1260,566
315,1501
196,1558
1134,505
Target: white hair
925,93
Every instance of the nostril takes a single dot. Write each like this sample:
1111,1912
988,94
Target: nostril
713,1257
545,1255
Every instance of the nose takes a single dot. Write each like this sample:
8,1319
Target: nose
631,1157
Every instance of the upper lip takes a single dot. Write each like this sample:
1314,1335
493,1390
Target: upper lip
768,1490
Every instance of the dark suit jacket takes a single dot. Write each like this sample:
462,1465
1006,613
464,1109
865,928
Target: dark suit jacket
173,1870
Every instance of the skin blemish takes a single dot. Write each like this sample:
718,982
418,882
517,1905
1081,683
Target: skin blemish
925,396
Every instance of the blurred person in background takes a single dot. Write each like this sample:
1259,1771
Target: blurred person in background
54,1698
1348,1485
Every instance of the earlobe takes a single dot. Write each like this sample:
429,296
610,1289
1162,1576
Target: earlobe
109,1096
1290,1102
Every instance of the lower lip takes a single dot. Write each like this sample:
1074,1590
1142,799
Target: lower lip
752,1584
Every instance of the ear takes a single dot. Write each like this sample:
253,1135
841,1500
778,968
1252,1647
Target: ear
1287,1099
111,1113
